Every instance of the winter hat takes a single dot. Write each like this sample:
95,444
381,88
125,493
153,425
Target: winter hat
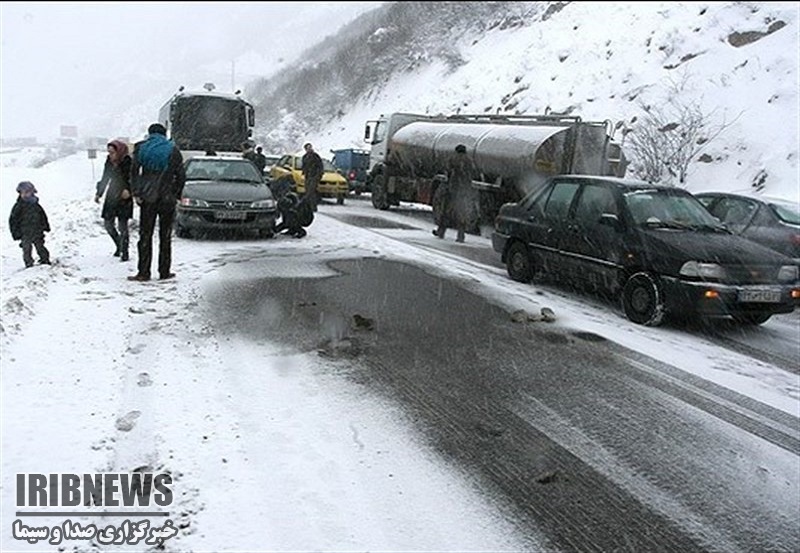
26,186
120,147
157,128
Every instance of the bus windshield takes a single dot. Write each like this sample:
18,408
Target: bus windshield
209,123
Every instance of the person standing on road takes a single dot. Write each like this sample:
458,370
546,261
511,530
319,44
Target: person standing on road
457,201
118,205
260,160
249,152
157,180
312,174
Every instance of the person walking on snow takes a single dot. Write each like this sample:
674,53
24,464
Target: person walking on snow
157,180
118,204
28,223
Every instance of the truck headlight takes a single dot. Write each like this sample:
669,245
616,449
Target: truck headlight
787,273
696,269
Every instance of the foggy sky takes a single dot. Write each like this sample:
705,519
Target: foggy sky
90,64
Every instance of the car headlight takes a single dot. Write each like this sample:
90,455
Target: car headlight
263,204
787,273
696,269
191,202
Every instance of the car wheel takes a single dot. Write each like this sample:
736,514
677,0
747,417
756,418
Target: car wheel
266,233
751,318
519,263
340,200
181,232
380,199
642,300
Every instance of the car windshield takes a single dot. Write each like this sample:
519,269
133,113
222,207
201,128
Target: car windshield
659,208
222,170
786,211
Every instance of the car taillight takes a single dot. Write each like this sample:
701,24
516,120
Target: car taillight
351,175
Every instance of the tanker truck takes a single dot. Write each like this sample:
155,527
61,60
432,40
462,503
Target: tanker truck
512,155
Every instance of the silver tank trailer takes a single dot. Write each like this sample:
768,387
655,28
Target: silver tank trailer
520,153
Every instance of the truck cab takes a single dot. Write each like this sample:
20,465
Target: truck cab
377,132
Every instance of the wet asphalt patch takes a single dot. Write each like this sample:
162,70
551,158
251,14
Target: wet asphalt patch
373,222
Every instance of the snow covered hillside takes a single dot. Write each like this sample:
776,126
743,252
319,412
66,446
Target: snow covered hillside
737,61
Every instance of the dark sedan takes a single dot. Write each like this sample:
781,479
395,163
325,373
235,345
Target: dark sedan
772,222
225,193
654,246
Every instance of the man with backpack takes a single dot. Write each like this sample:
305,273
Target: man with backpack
157,180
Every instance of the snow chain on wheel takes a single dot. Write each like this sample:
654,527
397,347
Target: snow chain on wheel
519,263
643,300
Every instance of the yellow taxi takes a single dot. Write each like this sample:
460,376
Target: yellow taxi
332,185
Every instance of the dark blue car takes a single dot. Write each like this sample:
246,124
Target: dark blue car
353,164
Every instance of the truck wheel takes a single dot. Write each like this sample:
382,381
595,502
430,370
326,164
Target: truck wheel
519,263
642,300
380,198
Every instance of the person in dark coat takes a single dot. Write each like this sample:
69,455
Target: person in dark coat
157,181
296,213
260,160
118,204
249,153
28,223
312,174
457,201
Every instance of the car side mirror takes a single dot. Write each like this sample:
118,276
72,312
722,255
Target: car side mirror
611,220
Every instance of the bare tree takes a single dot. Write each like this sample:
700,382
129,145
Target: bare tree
667,137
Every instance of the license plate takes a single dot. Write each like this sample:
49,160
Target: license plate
760,296
236,215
